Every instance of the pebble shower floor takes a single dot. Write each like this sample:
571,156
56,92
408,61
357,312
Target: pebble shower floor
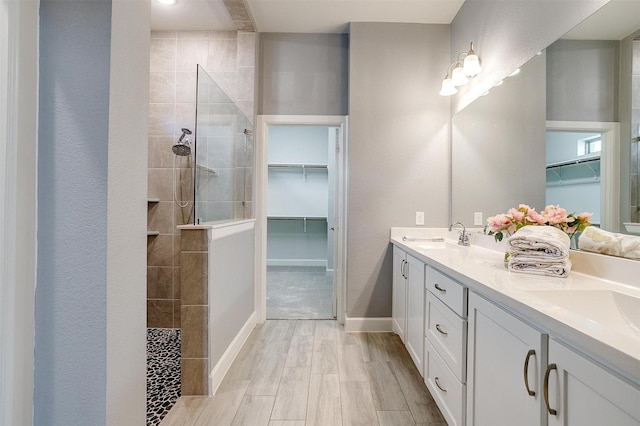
163,372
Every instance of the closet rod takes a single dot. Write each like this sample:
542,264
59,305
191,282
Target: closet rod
297,166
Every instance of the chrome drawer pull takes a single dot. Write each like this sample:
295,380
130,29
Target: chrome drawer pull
546,388
444,290
526,372
440,387
440,330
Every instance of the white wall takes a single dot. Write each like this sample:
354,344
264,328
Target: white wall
398,149
127,214
18,127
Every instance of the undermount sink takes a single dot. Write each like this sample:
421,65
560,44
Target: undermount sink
600,307
429,245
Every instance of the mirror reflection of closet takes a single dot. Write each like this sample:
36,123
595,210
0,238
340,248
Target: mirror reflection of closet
299,219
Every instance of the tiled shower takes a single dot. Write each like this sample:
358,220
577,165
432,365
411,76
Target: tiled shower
227,59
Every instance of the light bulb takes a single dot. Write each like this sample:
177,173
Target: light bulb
448,87
516,72
472,65
458,76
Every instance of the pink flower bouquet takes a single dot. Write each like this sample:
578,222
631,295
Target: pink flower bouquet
556,216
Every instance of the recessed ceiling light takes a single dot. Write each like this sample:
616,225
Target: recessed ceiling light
168,2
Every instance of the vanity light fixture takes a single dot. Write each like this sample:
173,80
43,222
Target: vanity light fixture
466,66
516,72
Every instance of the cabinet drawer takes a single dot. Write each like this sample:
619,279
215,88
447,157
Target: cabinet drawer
453,294
447,333
447,391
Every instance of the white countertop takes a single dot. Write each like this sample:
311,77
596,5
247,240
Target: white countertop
591,324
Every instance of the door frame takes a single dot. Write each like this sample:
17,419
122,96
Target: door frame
340,233
609,166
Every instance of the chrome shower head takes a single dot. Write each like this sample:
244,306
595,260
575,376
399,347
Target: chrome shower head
183,146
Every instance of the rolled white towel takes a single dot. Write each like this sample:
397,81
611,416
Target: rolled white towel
545,241
559,268
611,243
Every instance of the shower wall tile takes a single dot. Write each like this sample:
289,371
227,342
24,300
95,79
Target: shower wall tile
161,119
195,240
194,278
162,87
177,314
160,154
247,109
221,190
191,52
160,184
228,82
160,282
176,284
164,34
245,83
177,239
229,35
244,25
162,55
185,87
220,152
160,217
194,319
185,117
194,376
183,216
160,250
246,49
222,55
193,34
160,313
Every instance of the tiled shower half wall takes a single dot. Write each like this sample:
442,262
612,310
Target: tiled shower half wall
635,134
224,156
228,57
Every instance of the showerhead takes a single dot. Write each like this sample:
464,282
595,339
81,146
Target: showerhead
183,146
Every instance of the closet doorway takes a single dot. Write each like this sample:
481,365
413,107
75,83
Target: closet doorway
300,213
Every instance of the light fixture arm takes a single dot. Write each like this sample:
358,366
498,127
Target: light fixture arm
466,66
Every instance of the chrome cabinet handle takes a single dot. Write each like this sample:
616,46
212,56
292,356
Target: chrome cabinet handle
404,262
444,290
440,387
526,372
546,388
440,330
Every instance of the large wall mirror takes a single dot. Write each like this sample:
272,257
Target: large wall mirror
562,131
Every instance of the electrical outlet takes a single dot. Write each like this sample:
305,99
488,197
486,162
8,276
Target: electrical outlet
477,218
419,218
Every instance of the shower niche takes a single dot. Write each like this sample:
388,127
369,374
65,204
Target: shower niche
224,152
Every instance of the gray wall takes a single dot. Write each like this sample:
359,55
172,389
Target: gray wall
70,336
303,74
498,149
508,33
398,149
582,80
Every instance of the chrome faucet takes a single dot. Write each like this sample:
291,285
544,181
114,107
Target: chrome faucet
464,237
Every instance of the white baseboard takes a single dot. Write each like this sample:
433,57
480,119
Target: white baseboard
297,262
368,325
218,372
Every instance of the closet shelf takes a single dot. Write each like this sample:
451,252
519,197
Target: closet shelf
572,162
296,166
321,218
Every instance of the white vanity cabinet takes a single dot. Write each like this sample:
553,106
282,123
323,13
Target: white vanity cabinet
581,393
408,303
506,363
399,302
445,344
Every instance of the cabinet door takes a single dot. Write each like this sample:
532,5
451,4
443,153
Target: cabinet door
399,302
415,311
581,393
506,361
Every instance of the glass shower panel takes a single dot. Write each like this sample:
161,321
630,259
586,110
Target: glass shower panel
224,155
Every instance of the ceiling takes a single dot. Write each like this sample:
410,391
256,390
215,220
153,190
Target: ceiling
301,16
614,21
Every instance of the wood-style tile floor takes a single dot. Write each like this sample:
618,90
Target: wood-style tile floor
310,372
